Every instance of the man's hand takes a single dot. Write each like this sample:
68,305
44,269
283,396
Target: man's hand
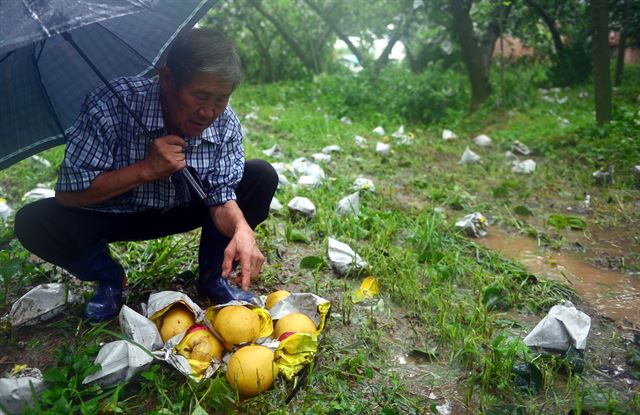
165,157
243,249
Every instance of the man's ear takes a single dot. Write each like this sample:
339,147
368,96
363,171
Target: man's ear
166,79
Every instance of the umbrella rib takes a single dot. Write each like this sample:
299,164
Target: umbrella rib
47,99
131,49
36,18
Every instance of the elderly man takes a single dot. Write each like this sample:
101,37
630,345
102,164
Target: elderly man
118,184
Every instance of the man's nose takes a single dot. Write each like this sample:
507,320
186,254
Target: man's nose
207,112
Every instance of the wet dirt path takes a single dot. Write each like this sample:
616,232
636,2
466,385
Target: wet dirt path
613,294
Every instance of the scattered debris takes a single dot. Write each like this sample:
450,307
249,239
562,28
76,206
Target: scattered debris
510,157
468,157
321,157
362,183
448,135
360,141
309,181
349,205
368,289
519,148
41,303
346,120
40,192
400,136
5,210
41,160
563,326
383,149
275,151
474,224
334,148
343,259
379,131
303,167
275,204
303,206
603,177
251,116
15,390
525,167
482,140
119,361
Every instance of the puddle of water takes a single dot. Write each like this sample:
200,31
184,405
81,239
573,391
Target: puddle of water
612,293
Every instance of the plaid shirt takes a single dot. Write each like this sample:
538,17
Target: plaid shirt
105,137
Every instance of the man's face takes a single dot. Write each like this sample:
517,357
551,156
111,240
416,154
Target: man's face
191,108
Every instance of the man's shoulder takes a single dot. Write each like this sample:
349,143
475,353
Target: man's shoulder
123,86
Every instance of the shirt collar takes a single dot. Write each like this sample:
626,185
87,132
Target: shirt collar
154,121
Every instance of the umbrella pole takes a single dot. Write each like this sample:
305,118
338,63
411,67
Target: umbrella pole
185,172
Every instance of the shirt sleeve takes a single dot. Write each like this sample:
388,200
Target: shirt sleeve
87,152
225,173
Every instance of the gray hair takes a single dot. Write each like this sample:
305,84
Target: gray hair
204,50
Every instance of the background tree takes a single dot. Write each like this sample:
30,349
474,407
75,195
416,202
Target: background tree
601,60
477,50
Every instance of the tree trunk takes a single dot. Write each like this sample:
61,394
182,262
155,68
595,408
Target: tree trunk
550,22
334,26
471,53
601,60
308,61
622,45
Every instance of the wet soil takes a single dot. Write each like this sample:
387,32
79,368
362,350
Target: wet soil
612,294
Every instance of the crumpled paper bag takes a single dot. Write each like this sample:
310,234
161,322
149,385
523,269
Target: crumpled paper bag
299,349
562,327
303,206
136,327
482,140
41,303
468,157
384,149
362,183
275,204
524,167
40,192
448,135
474,224
349,205
15,391
343,259
333,148
275,151
519,148
360,141
303,167
120,361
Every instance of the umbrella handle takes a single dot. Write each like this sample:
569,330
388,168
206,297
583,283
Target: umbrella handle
185,173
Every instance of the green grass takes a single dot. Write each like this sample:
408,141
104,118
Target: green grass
466,305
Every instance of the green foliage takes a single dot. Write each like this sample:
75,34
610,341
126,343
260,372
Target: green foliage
572,66
432,95
560,222
64,393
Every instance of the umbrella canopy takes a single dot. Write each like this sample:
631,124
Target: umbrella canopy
43,80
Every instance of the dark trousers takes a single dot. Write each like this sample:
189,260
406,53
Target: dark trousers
63,235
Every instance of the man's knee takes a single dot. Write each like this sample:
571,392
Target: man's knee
25,223
264,172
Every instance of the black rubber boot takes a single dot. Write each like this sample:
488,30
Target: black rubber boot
98,266
211,284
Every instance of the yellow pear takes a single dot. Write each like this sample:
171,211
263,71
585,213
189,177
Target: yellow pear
176,320
200,344
237,324
294,323
275,297
252,370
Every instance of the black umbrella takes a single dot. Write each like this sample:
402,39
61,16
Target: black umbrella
48,46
